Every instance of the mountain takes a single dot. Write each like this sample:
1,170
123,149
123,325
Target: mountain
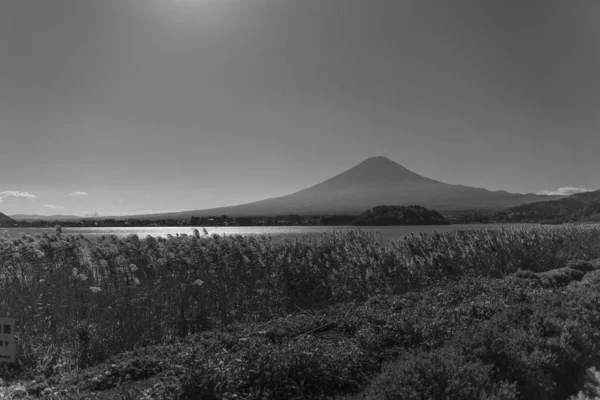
5,220
36,217
375,181
580,206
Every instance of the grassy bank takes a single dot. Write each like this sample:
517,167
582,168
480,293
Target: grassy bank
309,318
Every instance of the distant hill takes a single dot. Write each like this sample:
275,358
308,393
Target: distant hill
375,181
580,206
399,215
36,217
5,220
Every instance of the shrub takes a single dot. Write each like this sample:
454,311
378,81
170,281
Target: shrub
443,373
560,276
584,266
544,351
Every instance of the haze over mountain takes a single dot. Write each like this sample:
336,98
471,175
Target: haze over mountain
373,182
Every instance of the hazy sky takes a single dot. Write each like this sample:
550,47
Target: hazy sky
121,106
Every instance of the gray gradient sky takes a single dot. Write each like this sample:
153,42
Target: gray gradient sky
120,106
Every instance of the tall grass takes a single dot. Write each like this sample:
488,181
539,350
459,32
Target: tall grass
78,301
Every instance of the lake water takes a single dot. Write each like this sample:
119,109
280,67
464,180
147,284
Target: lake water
387,232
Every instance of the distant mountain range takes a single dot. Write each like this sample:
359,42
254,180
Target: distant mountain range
375,181
36,217
580,206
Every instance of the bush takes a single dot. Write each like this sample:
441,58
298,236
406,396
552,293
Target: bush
305,367
592,277
443,373
584,266
546,356
560,276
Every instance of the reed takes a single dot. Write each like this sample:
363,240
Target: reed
79,301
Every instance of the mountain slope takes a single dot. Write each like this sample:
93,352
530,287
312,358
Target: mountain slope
375,181
578,205
5,220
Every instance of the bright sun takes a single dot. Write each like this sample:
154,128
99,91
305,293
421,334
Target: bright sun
197,12
199,6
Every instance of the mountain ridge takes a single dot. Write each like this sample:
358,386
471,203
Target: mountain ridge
374,181
6,220
576,206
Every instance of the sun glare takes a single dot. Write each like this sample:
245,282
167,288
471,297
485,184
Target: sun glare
198,14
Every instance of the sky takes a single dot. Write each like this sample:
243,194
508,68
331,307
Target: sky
136,106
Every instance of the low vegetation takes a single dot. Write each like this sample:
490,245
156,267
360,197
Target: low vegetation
507,314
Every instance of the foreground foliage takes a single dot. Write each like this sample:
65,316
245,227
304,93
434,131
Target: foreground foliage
514,338
196,316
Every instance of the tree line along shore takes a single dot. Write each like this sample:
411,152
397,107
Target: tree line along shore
380,215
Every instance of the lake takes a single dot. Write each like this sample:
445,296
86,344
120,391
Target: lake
387,232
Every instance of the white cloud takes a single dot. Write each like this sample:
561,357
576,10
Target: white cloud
14,194
565,191
91,215
53,206
78,193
